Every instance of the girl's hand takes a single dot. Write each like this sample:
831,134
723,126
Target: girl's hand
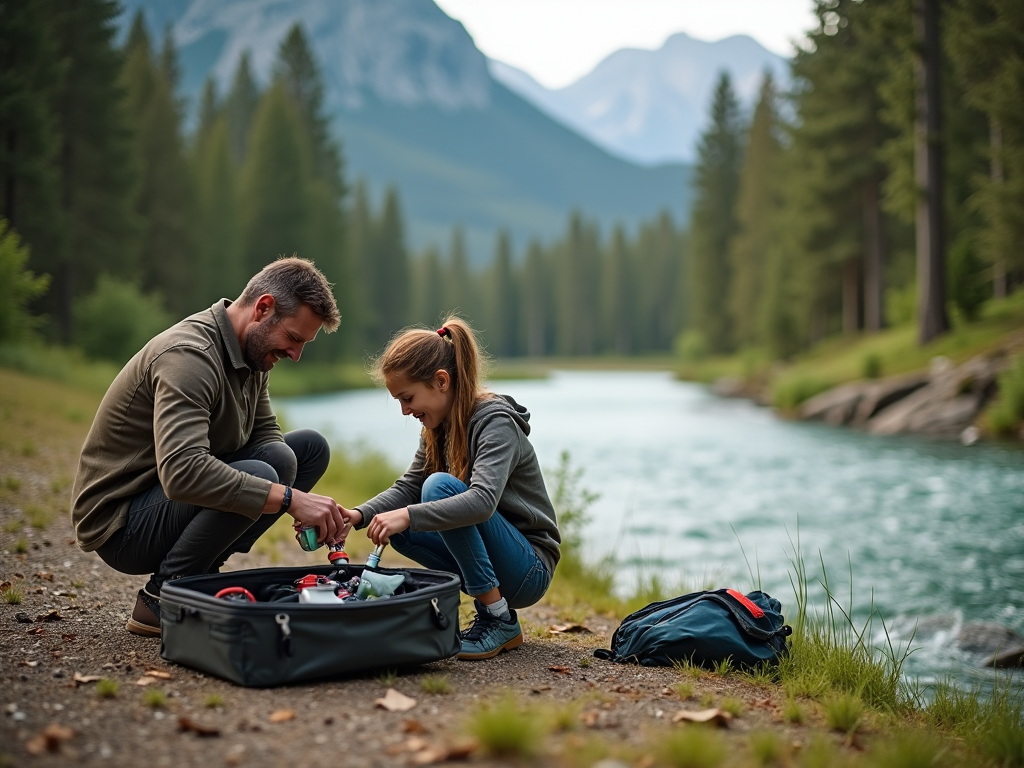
386,524
353,516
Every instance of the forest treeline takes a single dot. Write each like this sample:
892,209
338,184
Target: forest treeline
803,222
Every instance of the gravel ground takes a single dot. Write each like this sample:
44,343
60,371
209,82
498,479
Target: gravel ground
70,622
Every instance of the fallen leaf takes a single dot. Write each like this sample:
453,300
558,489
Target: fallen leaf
413,726
5,586
393,701
188,724
81,679
49,740
44,575
540,688
22,618
53,615
430,755
30,663
145,681
37,631
590,718
282,716
158,673
561,670
69,638
415,744
714,716
461,749
564,629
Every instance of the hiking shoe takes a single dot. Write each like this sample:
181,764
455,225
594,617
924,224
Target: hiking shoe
488,636
145,620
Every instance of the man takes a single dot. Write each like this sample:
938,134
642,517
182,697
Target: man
185,463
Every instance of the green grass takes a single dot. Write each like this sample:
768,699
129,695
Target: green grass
841,359
11,483
693,747
388,678
436,685
766,747
908,749
844,712
107,688
154,698
12,596
310,378
732,705
21,546
213,701
37,516
683,690
62,364
792,712
13,525
506,729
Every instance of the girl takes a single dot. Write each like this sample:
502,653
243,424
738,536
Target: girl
473,501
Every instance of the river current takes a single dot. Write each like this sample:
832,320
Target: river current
933,533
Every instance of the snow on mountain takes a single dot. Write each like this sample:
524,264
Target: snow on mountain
650,106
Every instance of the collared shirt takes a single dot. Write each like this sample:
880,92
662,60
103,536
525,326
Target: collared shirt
184,400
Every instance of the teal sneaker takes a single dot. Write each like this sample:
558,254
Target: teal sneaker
488,636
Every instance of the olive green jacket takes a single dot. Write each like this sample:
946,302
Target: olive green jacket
184,400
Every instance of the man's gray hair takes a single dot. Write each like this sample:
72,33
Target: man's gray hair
293,281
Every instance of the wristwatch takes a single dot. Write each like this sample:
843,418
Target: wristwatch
287,499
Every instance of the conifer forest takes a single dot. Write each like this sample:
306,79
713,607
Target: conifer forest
884,186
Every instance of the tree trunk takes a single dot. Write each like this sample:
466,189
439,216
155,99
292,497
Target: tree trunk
851,297
931,252
874,258
996,143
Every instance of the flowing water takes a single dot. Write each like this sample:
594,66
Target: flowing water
932,532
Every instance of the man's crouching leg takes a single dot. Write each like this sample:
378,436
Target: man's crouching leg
171,539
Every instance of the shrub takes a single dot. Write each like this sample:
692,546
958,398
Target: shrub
691,346
871,366
1006,415
789,393
117,319
20,287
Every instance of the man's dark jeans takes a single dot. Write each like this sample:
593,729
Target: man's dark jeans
171,538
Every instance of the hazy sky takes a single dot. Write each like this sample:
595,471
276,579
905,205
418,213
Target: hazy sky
558,41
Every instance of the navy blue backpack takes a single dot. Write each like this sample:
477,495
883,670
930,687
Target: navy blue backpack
703,628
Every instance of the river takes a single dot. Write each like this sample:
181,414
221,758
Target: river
932,532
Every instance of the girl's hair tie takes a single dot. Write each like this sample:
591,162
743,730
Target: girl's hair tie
443,331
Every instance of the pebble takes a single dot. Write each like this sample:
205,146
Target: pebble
58,673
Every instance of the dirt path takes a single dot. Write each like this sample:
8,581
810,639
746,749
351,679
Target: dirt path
71,617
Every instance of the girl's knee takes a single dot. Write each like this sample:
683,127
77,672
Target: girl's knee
441,485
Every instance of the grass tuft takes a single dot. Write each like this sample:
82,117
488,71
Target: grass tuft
154,698
683,690
213,701
505,729
107,688
693,748
388,678
14,525
792,712
21,546
844,712
724,667
10,483
38,517
12,596
732,705
437,685
565,717
908,749
766,747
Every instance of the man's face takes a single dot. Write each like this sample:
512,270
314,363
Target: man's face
267,341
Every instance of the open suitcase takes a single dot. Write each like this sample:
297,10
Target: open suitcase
267,643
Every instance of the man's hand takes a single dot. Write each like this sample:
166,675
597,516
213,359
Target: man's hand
322,512
386,524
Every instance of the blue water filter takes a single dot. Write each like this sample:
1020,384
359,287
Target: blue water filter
374,558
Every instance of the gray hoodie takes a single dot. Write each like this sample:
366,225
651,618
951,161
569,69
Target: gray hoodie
504,475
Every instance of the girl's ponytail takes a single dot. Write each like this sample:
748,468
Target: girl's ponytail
419,353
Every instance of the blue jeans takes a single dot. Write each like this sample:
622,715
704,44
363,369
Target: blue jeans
486,555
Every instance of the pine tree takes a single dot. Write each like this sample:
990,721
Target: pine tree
240,107
361,309
504,300
29,132
713,221
275,182
458,292
535,303
298,69
757,206
168,262
617,305
391,262
985,40
429,293
221,272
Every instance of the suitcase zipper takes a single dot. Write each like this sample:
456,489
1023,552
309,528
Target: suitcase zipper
285,644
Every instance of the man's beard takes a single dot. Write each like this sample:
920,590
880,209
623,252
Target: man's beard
257,348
